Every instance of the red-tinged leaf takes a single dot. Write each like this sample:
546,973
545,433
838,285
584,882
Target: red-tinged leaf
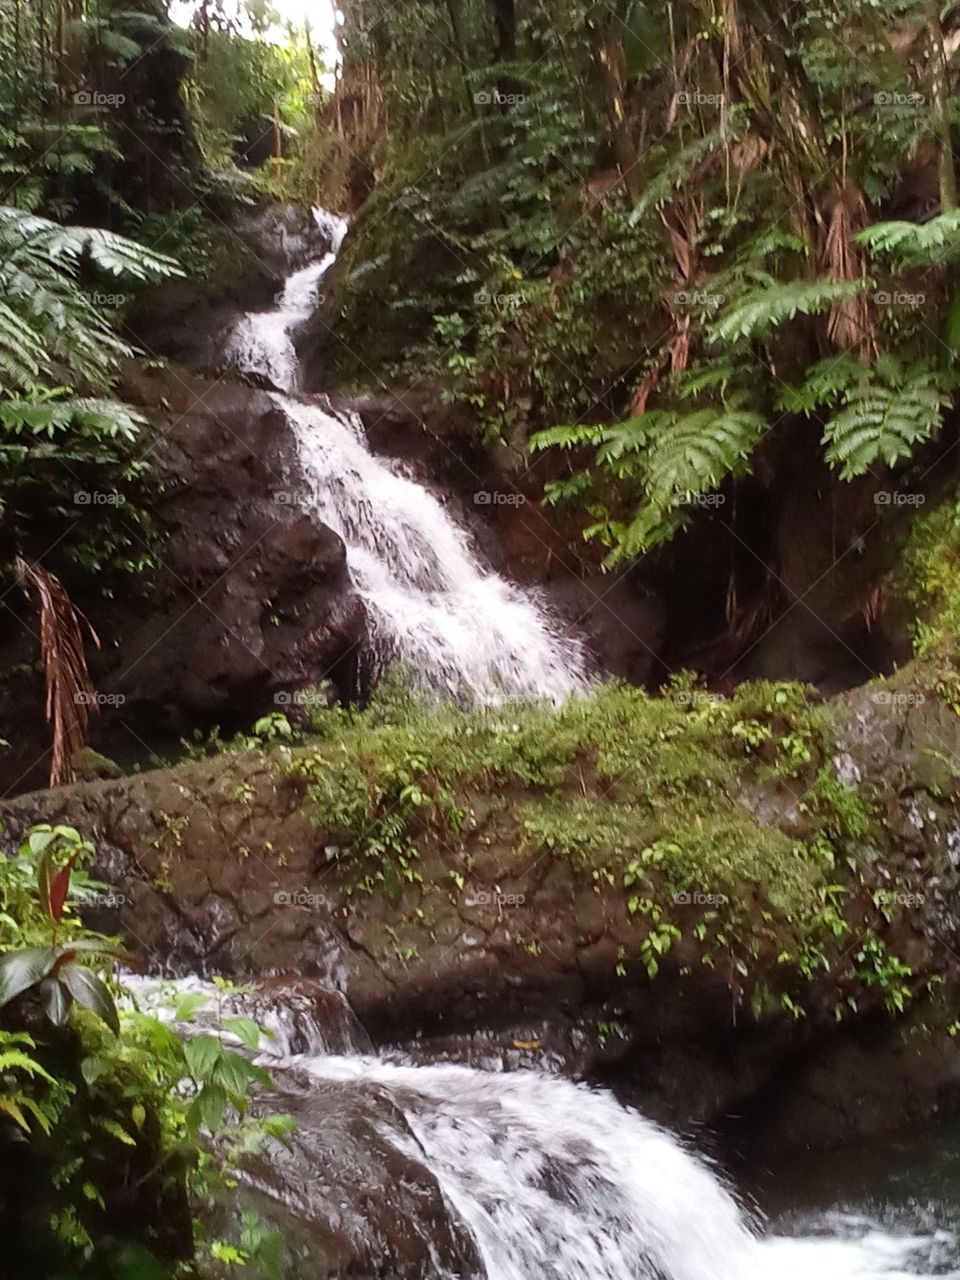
59,887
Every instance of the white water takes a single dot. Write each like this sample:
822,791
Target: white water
263,341
553,1180
430,602
557,1181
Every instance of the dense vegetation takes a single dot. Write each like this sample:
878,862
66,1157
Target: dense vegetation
662,254
676,240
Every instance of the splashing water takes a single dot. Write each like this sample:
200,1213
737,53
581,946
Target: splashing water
263,341
431,604
557,1181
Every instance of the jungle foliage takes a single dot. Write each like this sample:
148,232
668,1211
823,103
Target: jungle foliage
684,233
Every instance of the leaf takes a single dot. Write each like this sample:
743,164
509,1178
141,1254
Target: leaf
202,1055
236,1074
246,1031
9,1107
20,970
757,311
56,1002
57,891
211,1104
89,990
188,1006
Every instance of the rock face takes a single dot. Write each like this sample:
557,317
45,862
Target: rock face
534,961
253,598
187,319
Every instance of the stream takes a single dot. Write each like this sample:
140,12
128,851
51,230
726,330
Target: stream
537,1176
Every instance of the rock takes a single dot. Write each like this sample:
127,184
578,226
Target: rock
490,950
187,319
253,598
89,765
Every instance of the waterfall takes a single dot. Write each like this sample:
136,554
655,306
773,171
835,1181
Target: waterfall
552,1180
263,341
430,602
459,628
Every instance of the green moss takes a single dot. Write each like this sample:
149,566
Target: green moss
929,578
681,799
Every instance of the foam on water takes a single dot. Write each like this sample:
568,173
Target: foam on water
431,603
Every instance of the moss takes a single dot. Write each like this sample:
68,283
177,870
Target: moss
686,799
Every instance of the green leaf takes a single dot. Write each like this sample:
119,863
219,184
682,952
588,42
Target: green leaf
236,1074
211,1104
246,1031
202,1055
56,1002
20,970
89,990
644,38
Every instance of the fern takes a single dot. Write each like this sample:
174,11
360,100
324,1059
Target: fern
824,384
693,452
886,415
759,310
916,243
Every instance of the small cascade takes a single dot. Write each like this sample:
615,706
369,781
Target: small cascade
263,341
546,1178
458,627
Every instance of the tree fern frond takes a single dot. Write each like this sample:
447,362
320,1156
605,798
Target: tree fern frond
824,384
696,452
758,311
936,240
566,437
881,422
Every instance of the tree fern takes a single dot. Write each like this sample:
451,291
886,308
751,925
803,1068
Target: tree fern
916,243
759,310
56,348
886,415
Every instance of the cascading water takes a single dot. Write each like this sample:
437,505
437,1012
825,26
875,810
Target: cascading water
431,604
553,1180
460,629
263,341
549,1180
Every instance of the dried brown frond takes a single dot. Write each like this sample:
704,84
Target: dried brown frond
70,699
850,326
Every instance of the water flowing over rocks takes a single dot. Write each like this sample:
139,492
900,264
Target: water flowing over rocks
221,870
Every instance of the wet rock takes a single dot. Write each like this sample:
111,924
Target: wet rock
370,1210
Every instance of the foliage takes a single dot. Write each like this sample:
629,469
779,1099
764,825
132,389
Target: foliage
660,234
128,1104
60,433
